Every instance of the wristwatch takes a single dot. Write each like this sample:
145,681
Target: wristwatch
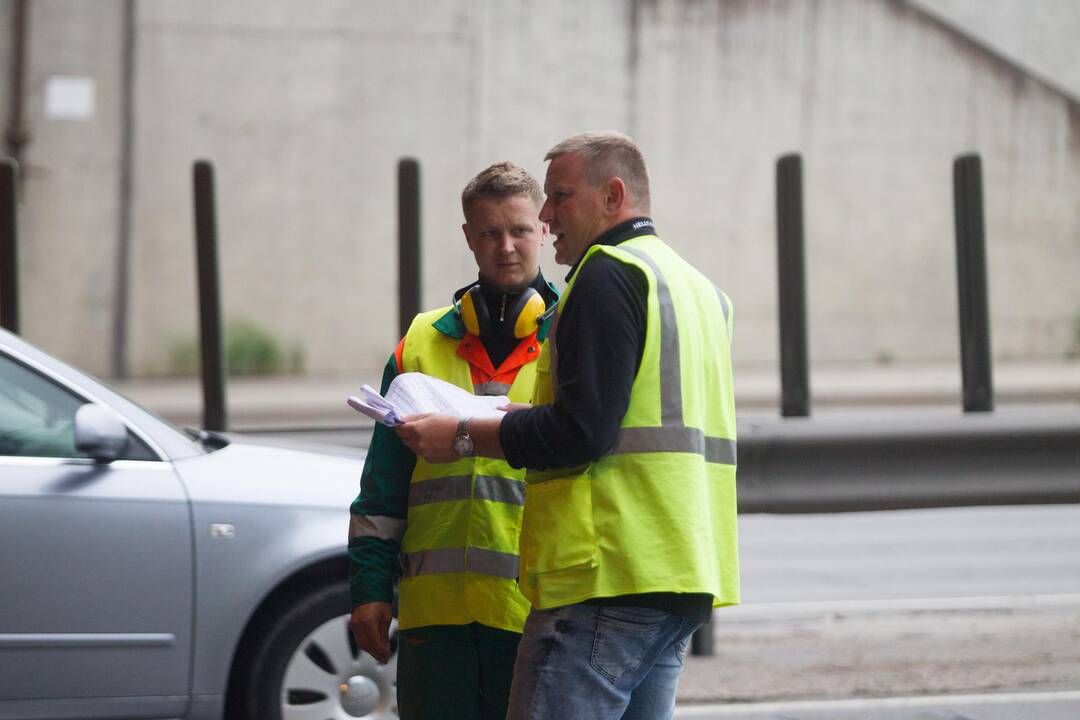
463,444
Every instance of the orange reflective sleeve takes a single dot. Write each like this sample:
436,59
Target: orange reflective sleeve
399,352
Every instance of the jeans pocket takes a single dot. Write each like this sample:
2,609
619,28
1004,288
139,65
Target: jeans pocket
684,645
624,636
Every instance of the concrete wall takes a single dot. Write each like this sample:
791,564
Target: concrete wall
70,176
1038,36
878,99
306,108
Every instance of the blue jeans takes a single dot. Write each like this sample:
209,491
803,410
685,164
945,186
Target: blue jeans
592,662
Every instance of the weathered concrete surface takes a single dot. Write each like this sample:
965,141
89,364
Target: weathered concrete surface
898,603
1039,705
1040,36
867,652
70,171
305,110
878,98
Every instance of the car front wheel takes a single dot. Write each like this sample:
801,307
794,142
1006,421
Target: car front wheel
310,667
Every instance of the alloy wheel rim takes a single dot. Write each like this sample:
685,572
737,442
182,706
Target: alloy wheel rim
328,678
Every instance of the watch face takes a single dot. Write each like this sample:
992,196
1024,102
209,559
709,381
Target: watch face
463,445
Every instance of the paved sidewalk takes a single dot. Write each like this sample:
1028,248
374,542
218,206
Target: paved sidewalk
909,602
259,403
963,645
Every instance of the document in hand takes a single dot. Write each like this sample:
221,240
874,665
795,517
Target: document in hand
415,393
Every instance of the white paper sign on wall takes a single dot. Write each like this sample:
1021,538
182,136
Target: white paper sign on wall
69,98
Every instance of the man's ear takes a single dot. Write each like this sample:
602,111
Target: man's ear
468,240
544,230
614,195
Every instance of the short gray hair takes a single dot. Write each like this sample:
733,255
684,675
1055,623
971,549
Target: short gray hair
500,181
609,154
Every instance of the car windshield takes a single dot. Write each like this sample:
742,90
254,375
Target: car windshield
64,381
206,442
37,417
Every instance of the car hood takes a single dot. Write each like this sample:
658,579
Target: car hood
269,440
263,474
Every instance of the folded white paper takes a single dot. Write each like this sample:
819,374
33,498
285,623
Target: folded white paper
416,393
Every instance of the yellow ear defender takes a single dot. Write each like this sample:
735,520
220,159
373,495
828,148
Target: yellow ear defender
525,314
528,308
473,310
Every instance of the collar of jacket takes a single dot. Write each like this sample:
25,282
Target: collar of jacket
451,324
632,228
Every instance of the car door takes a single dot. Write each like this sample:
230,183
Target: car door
95,565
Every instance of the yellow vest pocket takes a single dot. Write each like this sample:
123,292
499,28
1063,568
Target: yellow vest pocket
561,511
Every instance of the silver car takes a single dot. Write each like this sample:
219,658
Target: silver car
151,572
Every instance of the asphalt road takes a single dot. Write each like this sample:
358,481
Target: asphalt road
938,553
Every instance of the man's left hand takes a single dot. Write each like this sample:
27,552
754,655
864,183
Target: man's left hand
430,436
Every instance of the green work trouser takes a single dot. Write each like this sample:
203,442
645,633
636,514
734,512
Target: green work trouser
455,672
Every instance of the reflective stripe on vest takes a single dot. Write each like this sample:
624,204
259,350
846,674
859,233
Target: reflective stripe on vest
497,489
451,560
456,487
673,436
491,388
676,439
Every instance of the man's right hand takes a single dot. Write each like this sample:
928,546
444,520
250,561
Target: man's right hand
370,625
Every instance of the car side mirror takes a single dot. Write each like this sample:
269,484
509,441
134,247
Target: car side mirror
99,433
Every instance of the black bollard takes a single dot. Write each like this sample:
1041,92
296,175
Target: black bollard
791,282
702,641
975,362
408,242
9,245
213,364
122,300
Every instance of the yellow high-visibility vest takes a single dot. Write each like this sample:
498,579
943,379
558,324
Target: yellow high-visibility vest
459,555
658,513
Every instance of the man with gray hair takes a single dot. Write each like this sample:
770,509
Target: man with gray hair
629,536
451,530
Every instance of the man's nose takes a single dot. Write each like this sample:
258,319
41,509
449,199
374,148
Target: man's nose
506,243
545,211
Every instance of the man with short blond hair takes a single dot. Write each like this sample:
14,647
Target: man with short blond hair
498,182
630,516
451,530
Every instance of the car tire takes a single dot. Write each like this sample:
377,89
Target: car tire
309,662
